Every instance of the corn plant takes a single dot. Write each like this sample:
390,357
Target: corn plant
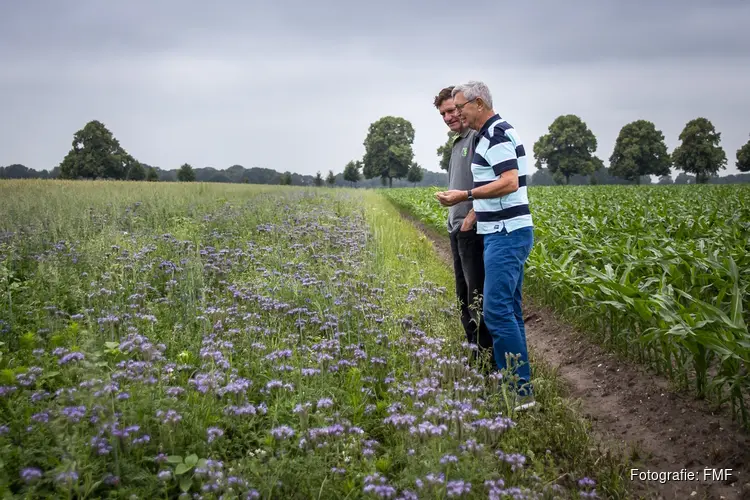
659,273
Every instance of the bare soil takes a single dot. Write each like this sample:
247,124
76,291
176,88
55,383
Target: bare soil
634,411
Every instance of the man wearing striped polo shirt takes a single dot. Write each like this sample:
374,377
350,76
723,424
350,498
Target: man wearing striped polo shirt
502,212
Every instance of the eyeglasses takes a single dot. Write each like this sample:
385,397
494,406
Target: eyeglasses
459,107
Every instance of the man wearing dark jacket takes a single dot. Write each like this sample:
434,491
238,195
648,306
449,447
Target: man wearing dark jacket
466,243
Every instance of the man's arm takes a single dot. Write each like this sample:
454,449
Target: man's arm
506,184
502,157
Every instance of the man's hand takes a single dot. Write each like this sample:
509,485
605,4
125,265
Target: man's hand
469,221
452,197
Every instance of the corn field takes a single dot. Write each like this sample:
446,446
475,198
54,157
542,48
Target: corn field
658,273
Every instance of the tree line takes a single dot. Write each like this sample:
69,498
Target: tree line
567,151
97,154
564,155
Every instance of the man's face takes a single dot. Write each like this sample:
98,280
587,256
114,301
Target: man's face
450,115
466,109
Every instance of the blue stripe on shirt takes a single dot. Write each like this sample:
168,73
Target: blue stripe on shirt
499,149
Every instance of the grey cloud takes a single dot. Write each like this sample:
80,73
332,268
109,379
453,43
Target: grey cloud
545,31
231,82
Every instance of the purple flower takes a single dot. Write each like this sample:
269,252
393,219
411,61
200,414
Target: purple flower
239,411
302,408
324,403
457,488
30,474
282,432
169,417
71,357
74,414
400,420
39,396
164,475
42,417
213,433
378,485
408,495
236,386
584,482
237,481
66,477
590,494
59,351
140,440
516,460
174,392
7,389
102,445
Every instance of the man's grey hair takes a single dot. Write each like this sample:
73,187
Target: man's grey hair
472,90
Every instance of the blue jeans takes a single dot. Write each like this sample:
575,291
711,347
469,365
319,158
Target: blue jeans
504,257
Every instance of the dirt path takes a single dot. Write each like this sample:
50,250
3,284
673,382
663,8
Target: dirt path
634,411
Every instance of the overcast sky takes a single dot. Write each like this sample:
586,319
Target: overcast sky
294,85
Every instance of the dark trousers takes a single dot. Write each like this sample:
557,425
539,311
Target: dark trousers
468,266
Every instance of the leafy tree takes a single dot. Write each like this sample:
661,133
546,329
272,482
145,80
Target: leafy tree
136,172
699,152
17,171
152,175
286,179
415,174
331,179
235,173
96,153
351,172
186,173
639,150
567,149
318,180
444,151
743,158
388,149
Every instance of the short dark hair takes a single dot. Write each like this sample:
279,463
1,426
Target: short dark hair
443,95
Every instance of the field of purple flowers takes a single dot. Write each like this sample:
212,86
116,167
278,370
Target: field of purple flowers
227,341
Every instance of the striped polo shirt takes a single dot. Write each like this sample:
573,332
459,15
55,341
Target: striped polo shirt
499,149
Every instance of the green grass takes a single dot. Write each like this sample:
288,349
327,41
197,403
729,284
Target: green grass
252,342
657,273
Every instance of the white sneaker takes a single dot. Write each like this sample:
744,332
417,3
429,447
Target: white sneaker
524,403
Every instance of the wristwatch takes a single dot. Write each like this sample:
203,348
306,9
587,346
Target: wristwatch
470,196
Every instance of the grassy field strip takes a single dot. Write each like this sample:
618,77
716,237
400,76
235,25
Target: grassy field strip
230,341
659,273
